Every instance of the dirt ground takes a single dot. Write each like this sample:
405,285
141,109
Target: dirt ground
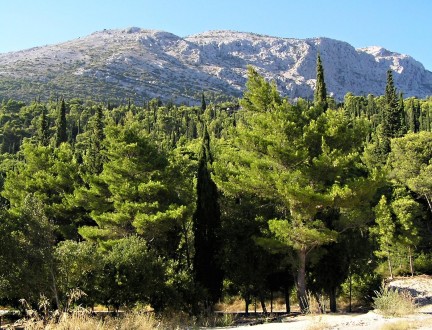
370,320
420,288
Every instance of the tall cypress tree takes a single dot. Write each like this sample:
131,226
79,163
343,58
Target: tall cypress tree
203,103
416,115
61,134
391,116
94,155
43,128
392,121
320,95
402,118
206,226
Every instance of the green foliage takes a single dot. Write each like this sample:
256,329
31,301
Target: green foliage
297,184
423,263
303,160
132,274
385,229
410,163
51,175
79,265
132,194
26,253
259,95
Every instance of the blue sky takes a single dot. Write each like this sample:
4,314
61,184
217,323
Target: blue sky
398,25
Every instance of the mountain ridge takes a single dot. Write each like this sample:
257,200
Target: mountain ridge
141,64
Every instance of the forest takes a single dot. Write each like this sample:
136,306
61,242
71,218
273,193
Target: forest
180,207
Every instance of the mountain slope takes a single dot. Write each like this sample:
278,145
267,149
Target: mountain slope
142,64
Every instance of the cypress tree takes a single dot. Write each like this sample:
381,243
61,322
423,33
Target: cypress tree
402,118
391,116
320,95
390,91
95,157
428,123
61,134
206,227
416,115
203,103
43,128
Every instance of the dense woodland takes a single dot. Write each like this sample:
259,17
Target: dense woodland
179,207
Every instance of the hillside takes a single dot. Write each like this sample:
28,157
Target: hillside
142,64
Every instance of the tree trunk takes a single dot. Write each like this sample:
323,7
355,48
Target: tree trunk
301,281
428,201
247,302
287,301
262,301
186,237
332,296
271,301
350,292
390,265
411,261
54,288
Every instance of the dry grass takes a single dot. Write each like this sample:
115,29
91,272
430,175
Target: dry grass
84,321
400,325
129,321
318,324
390,302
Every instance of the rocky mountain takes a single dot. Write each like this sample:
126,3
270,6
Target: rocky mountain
142,64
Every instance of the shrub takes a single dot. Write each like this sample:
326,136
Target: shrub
401,325
423,263
391,302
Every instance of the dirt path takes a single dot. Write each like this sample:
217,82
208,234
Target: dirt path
368,321
420,288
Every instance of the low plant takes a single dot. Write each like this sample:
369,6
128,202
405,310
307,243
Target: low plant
319,324
400,325
391,302
316,304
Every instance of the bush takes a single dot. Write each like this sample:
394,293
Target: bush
423,263
391,302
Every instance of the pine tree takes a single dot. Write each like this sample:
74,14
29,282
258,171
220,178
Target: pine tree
320,95
132,194
281,156
61,134
206,224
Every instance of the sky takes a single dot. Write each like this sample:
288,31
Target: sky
398,25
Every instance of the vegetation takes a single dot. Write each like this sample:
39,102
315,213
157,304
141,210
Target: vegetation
174,208
391,302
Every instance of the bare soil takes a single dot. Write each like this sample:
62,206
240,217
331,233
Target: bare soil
420,288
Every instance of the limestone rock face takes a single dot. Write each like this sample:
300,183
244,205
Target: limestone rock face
141,64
